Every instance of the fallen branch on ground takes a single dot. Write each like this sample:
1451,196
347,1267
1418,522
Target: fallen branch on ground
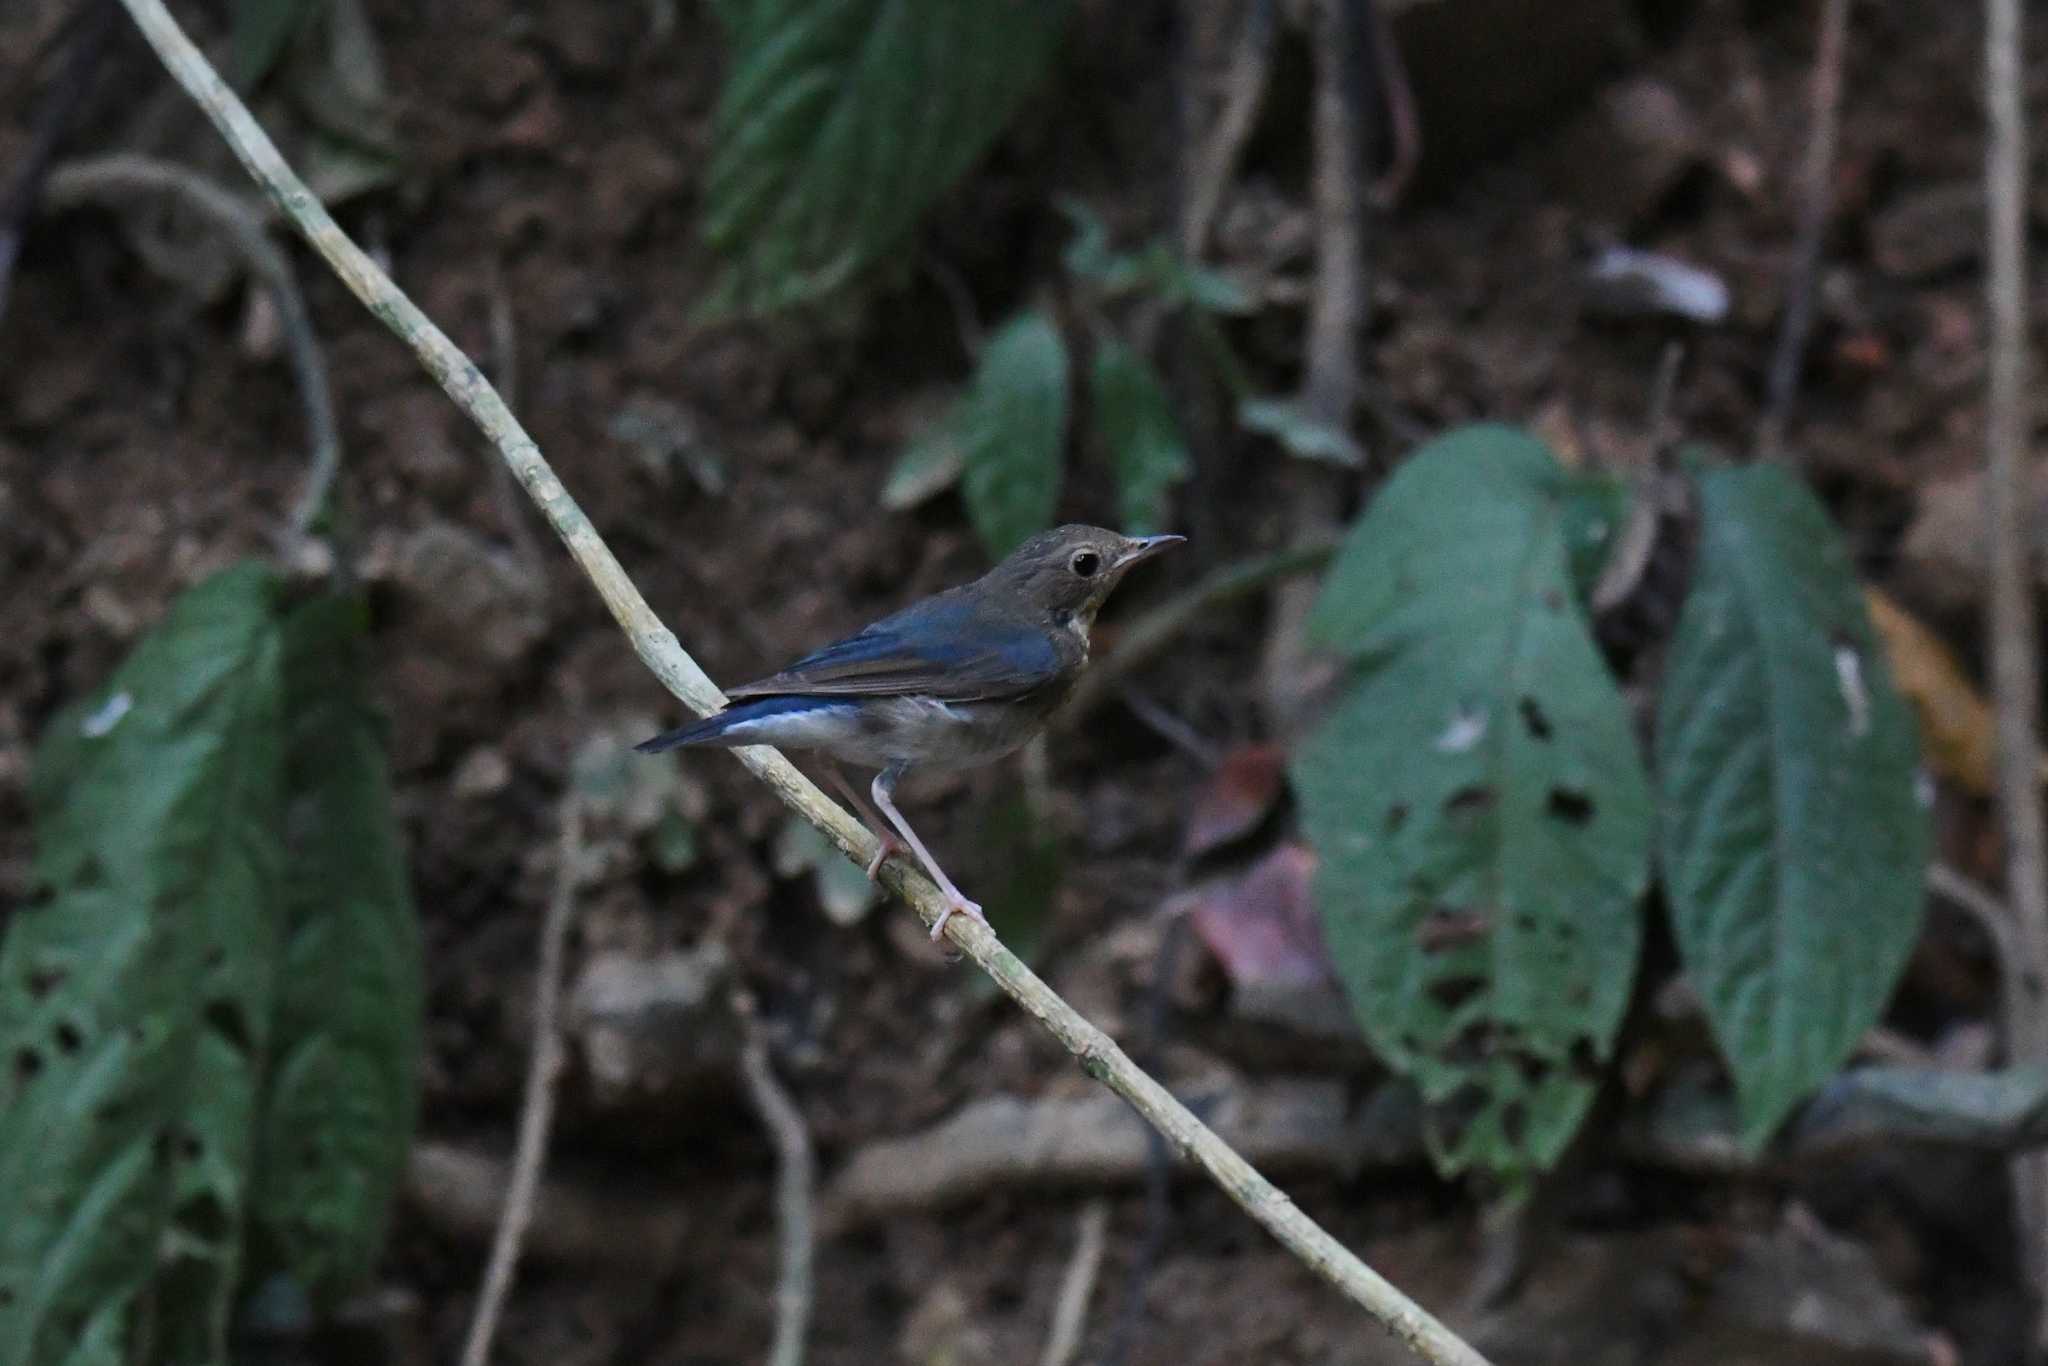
795,1172
1070,1314
657,647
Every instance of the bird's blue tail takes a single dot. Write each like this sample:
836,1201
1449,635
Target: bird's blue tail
741,724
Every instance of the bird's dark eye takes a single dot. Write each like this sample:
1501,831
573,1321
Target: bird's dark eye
1086,563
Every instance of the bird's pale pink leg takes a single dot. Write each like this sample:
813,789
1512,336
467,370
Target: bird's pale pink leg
888,843
884,785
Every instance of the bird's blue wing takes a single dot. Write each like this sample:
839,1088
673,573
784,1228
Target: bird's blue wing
946,647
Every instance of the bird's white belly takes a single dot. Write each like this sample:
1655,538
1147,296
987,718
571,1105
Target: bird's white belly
923,732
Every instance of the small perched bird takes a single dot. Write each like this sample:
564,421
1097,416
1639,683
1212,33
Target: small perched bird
953,681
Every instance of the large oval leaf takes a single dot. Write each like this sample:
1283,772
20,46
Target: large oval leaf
1477,801
135,1001
1792,840
1012,431
842,120
340,1097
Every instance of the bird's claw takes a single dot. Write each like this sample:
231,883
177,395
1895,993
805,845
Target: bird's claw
889,846
958,905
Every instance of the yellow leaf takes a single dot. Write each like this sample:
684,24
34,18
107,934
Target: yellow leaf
1958,733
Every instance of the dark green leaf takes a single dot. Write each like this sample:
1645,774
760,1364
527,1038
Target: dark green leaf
1158,268
136,1003
1088,254
1012,429
261,32
1477,801
338,1110
1793,842
842,120
1137,426
1025,855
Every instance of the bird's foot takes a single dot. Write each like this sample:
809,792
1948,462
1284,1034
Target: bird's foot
956,904
889,847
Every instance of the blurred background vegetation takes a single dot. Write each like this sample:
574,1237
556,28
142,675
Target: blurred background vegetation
1511,820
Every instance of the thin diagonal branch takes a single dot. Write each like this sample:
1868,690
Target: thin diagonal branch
657,647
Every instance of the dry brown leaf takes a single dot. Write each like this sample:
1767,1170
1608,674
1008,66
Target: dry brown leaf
1236,798
1957,726
1958,733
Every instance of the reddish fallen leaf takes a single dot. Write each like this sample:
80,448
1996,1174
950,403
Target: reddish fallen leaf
1262,927
1236,798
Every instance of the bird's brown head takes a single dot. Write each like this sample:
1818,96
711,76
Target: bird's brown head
1070,571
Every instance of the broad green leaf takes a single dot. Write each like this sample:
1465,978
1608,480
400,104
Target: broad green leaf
1284,421
842,120
1792,840
136,998
1477,801
1136,422
337,1112
1012,429
928,467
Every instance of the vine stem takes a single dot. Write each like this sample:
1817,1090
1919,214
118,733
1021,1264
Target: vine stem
658,648
2015,665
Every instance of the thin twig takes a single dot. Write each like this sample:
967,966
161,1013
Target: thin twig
120,178
94,24
1154,633
966,317
537,1108
504,327
1816,194
2015,672
1123,1333
1337,308
1251,66
1397,98
795,1179
1077,1287
1169,727
657,647
1992,918
1657,430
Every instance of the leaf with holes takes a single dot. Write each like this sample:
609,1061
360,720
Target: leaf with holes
1793,842
1136,423
842,120
1477,801
1012,427
338,1106
135,1000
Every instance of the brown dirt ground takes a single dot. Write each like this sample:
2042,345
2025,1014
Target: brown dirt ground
141,446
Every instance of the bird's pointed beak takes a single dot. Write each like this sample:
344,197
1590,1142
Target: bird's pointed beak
1144,548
